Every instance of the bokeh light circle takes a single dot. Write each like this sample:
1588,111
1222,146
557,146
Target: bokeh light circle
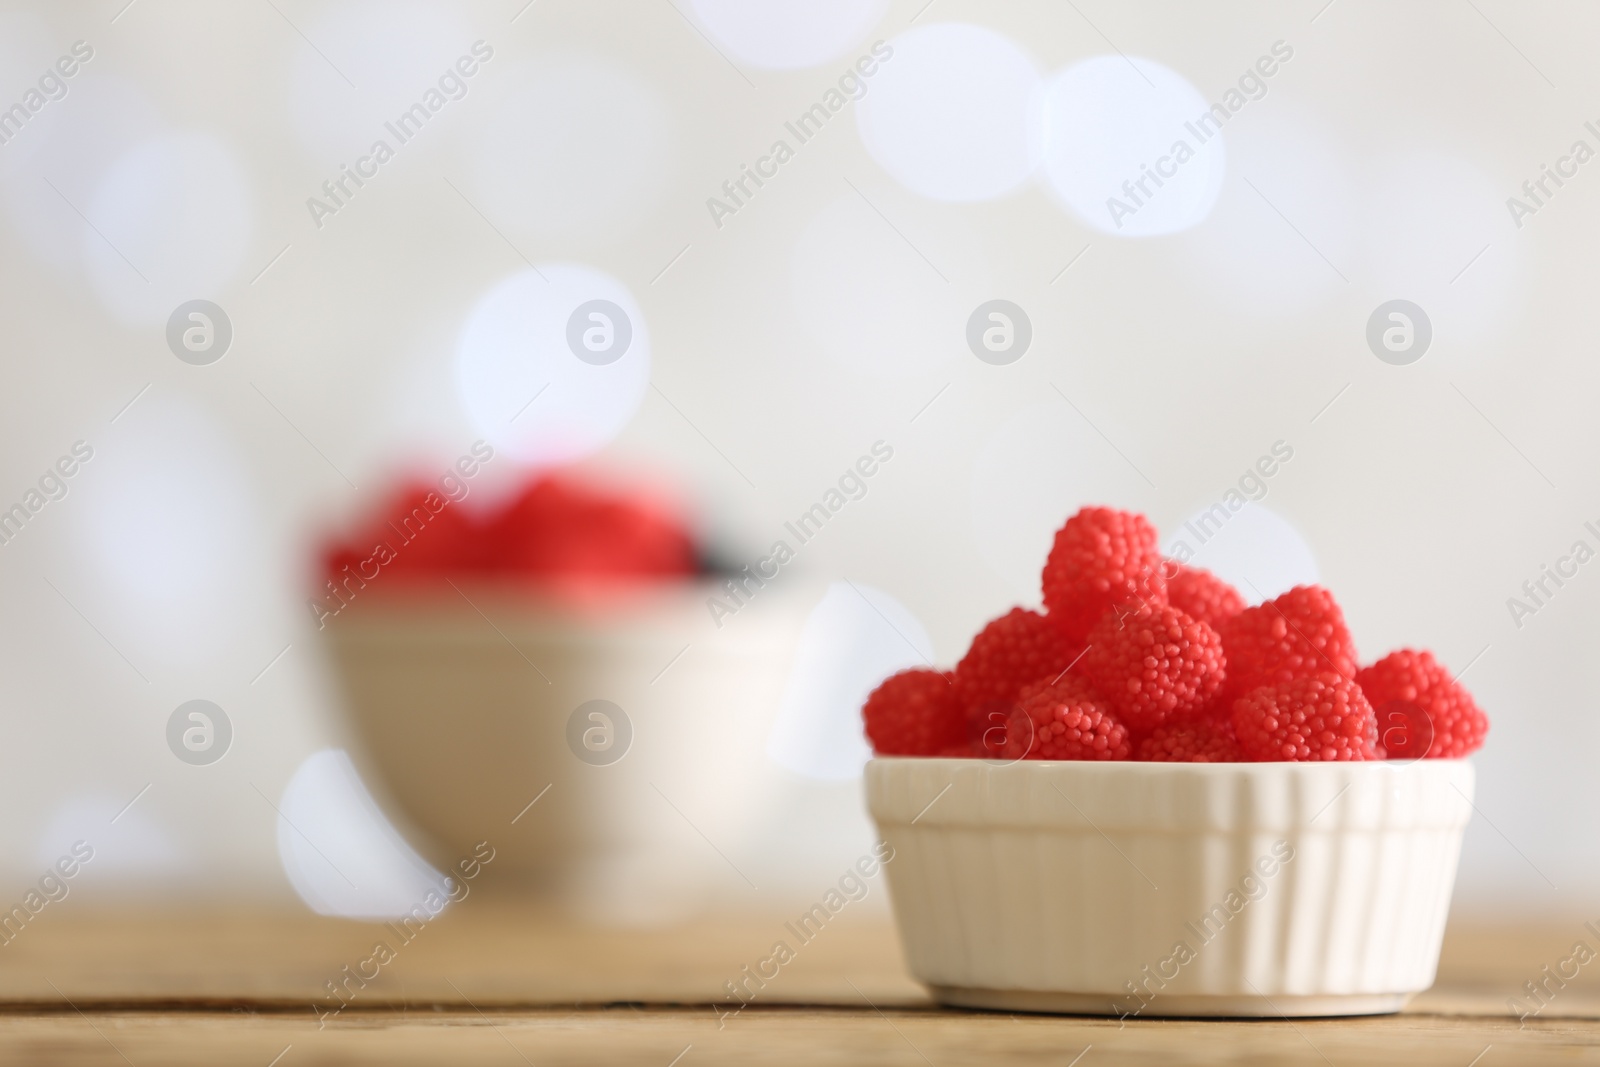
341,854
578,146
787,34
393,50
1253,548
521,385
1038,468
1433,228
1246,258
163,519
955,114
1113,121
854,638
72,145
866,297
171,221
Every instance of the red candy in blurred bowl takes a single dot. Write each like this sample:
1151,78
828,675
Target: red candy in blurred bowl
571,537
560,532
554,644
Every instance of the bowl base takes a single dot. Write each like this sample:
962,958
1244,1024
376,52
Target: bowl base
1188,1006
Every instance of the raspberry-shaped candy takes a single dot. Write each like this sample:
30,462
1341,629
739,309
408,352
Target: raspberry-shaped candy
1422,711
419,534
1000,730
1321,717
1101,558
915,713
1154,664
1201,595
1010,652
563,531
1069,723
1297,635
1192,742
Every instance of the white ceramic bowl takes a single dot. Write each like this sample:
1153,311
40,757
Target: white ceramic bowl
464,707
1177,889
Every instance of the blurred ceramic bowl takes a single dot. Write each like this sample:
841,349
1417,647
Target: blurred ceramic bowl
610,755
1172,889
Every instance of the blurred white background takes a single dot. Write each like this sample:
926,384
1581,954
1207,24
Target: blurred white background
777,341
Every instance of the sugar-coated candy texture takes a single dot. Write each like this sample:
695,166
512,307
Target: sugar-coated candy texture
1201,595
1069,723
1019,647
1421,710
999,730
1101,558
1153,664
1296,635
1321,717
1192,742
1405,730
915,713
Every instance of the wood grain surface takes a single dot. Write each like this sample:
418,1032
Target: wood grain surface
500,983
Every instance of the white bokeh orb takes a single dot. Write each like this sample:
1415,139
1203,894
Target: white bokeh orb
955,113
341,854
1041,466
1249,257
576,146
1108,128
1435,230
50,170
28,49
1252,548
137,848
522,342
174,217
787,34
392,50
162,519
868,299
854,638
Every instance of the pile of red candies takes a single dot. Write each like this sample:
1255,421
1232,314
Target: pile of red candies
1140,657
556,531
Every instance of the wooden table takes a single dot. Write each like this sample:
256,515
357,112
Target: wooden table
492,982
